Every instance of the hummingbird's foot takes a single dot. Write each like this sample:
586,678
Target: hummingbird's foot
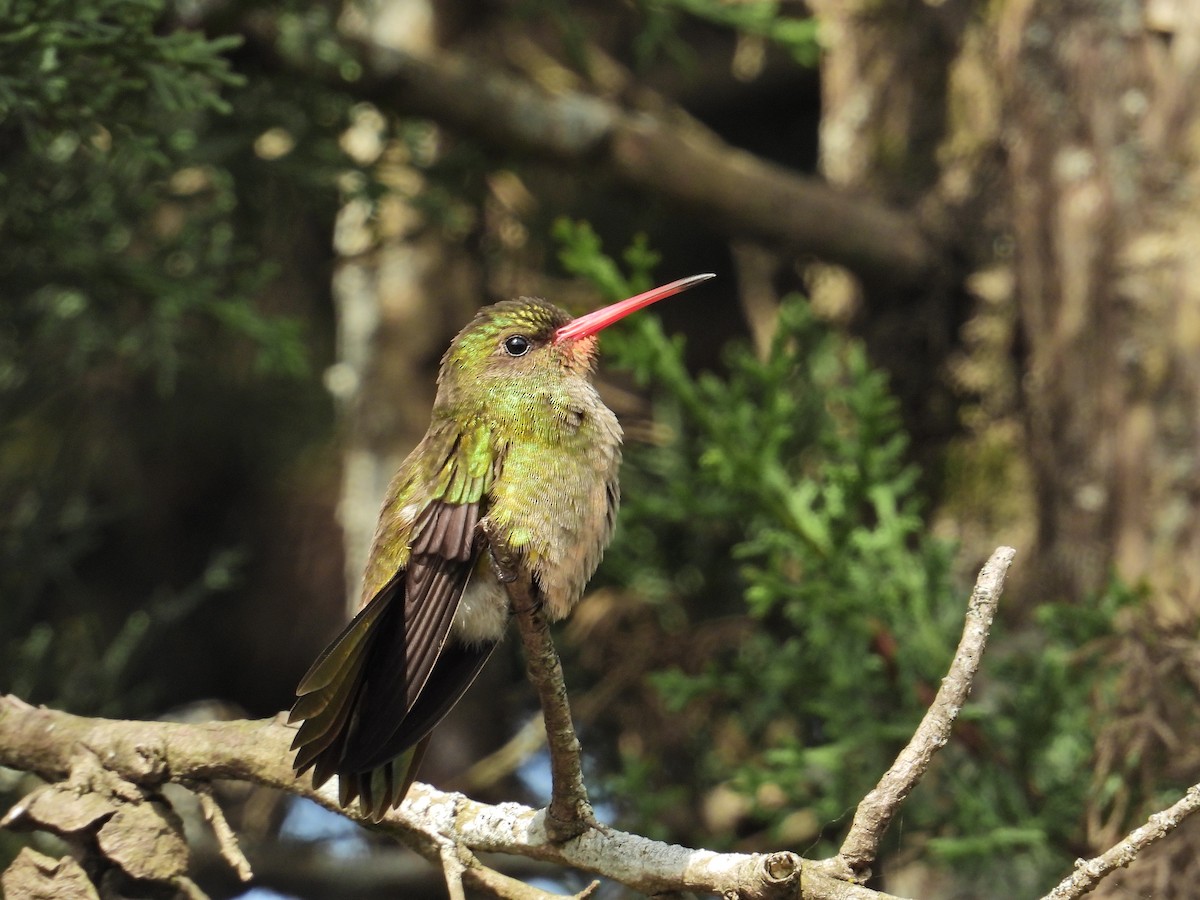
504,564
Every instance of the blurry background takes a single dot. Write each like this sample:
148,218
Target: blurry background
958,305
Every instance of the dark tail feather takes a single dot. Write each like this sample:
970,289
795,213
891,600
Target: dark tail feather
330,692
371,699
382,736
384,787
380,781
416,755
320,739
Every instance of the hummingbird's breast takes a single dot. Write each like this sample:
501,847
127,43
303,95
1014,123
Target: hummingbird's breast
556,494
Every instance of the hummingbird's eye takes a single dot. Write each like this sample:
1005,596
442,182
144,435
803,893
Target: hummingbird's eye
517,345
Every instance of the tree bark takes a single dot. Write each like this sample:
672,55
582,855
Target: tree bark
1101,116
1103,174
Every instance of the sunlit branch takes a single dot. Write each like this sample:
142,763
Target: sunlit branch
51,744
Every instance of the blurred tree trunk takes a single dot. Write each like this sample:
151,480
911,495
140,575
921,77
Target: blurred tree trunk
1067,136
402,289
1103,124
396,301
886,79
1103,164
399,287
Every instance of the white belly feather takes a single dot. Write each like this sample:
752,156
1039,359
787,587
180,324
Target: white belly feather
482,612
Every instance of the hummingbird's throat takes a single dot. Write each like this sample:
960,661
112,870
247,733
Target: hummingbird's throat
594,322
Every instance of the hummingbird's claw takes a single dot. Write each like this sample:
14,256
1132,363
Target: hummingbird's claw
504,565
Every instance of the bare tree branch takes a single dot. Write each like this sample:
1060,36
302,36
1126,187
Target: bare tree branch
877,809
50,744
102,770
1088,873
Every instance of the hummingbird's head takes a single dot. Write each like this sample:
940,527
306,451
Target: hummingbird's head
521,346
514,341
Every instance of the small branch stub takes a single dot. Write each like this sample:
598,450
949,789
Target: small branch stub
780,876
781,868
227,841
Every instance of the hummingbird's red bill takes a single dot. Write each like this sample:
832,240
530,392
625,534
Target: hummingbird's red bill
593,322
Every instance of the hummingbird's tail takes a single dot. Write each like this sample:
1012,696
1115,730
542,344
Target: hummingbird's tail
378,790
380,769
371,698
368,703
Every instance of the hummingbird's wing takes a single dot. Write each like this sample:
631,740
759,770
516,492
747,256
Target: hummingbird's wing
414,661
391,675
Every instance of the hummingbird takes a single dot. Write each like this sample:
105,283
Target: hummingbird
517,473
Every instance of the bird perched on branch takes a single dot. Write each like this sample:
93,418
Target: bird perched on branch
517,472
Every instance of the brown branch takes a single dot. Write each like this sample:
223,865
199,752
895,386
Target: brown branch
569,813
875,812
1088,873
668,154
50,743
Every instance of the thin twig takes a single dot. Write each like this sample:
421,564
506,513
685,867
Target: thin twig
189,889
877,809
569,813
227,841
508,888
1089,872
